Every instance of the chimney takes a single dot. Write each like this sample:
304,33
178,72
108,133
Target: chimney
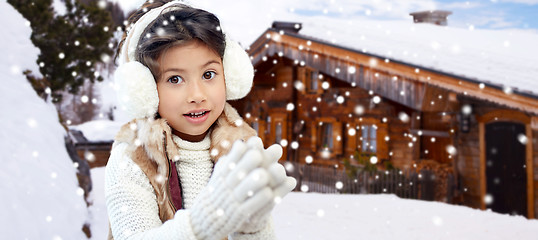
293,27
436,17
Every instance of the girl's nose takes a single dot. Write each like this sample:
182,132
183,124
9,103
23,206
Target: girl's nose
196,93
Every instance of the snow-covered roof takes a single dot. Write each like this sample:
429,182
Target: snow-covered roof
504,58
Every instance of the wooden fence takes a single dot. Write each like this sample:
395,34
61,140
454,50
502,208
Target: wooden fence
405,184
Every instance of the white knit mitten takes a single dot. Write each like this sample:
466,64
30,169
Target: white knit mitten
280,185
238,188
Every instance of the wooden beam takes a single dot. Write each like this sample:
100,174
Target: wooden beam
530,175
482,140
534,123
431,133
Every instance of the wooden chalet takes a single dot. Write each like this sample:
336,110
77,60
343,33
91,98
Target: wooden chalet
326,103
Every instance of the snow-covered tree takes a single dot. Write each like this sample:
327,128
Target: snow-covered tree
72,43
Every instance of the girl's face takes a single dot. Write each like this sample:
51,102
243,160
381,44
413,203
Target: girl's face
191,89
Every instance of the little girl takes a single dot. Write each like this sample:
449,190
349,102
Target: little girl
186,167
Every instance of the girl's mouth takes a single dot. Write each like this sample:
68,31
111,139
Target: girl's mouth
196,114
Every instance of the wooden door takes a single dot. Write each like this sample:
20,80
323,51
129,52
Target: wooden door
505,168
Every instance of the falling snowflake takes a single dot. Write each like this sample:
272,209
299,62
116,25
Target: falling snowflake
376,99
290,107
320,213
488,199
325,153
31,123
522,138
238,122
437,221
84,99
299,85
325,85
403,117
466,109
220,212
340,99
309,159
160,32
289,167
451,150
351,70
80,191
294,145
304,188
105,58
339,185
89,156
102,4
359,110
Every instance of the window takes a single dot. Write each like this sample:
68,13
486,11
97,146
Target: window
268,124
368,139
367,135
256,126
278,133
259,126
278,129
327,136
361,74
314,81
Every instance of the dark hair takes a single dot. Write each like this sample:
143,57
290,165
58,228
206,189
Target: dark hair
172,28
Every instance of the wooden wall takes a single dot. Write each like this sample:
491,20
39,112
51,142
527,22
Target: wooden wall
274,89
468,165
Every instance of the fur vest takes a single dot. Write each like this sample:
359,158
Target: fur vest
151,147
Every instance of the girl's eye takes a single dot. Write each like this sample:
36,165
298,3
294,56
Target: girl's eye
209,75
175,80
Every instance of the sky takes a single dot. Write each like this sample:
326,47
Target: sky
488,14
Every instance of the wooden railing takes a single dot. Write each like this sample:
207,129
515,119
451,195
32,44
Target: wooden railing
405,184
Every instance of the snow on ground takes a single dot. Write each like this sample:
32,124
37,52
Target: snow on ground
40,194
346,217
98,218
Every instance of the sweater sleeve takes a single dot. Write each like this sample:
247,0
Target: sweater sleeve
267,233
132,205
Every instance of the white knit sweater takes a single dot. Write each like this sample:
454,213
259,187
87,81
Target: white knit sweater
131,201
